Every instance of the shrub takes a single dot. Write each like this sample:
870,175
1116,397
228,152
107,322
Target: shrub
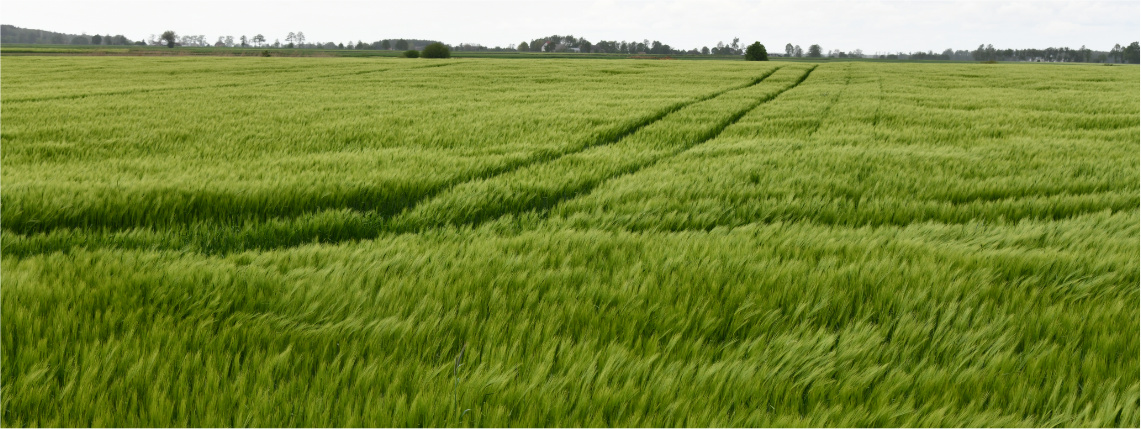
411,53
437,50
265,53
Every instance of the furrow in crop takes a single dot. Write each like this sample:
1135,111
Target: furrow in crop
551,202
828,109
372,202
604,138
571,177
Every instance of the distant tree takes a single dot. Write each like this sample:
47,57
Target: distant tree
1132,53
756,52
96,40
798,52
259,40
789,50
80,40
655,47
401,45
814,51
299,38
411,53
289,38
245,41
704,50
979,54
523,47
436,50
229,41
736,45
169,37
384,44
340,46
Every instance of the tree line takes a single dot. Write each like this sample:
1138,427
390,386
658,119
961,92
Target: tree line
292,40
1130,53
1118,54
570,43
14,34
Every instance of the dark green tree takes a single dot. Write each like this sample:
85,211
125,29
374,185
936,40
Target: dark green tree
756,52
96,40
814,51
169,37
411,53
436,50
80,40
523,47
1132,53
401,45
789,50
385,45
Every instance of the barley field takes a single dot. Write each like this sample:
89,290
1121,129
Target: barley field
480,242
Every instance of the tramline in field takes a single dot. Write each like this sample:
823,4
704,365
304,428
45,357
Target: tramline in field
390,242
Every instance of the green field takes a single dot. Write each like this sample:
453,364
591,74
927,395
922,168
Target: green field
208,241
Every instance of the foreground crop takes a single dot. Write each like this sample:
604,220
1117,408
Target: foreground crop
330,242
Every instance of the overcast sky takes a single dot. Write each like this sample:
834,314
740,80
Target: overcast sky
874,26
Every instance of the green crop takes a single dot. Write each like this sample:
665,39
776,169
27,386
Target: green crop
474,242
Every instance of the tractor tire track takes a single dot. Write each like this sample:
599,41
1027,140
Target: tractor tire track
603,139
375,212
831,103
543,203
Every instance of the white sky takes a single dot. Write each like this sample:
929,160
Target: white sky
874,26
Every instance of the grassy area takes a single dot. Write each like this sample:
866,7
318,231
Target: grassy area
210,241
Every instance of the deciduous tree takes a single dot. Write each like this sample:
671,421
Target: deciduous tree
756,52
169,37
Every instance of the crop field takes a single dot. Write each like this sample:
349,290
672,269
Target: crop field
206,241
